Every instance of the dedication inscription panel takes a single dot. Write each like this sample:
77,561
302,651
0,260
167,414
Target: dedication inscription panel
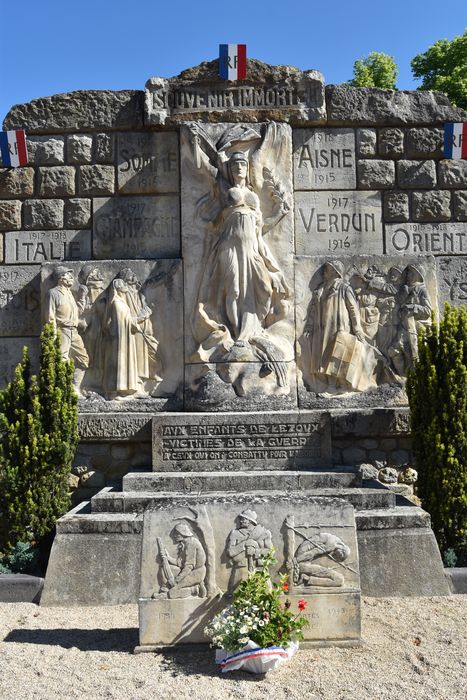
182,442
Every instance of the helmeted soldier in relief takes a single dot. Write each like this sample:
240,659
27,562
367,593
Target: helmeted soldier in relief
63,312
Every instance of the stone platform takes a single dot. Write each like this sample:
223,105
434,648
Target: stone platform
100,540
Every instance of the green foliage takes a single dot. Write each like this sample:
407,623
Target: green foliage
376,70
437,391
443,67
23,559
258,613
38,438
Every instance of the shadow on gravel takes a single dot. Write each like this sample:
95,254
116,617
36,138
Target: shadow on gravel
124,639
189,662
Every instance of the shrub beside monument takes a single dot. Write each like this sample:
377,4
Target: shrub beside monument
38,422
437,391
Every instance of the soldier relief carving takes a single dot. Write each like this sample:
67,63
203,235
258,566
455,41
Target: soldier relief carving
186,563
315,557
106,329
242,295
361,326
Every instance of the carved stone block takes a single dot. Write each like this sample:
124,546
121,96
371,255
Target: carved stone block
324,159
426,239
121,322
434,205
452,281
137,227
237,242
338,223
357,324
46,246
12,353
20,300
114,426
269,92
240,386
241,441
147,163
315,543
10,215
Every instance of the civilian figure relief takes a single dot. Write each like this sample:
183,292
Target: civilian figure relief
361,327
242,294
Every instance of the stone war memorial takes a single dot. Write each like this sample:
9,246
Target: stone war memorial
239,271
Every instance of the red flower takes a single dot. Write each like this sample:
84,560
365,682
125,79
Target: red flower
302,603
285,587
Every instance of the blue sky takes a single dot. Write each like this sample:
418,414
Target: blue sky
46,48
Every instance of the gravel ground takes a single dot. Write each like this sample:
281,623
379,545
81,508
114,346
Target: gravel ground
414,648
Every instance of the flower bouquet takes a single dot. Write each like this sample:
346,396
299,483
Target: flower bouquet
258,631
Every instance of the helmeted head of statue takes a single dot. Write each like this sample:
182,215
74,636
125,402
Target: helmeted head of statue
182,530
238,167
250,516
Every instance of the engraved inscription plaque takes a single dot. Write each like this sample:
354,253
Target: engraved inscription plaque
238,441
46,246
338,223
148,163
422,239
137,227
324,159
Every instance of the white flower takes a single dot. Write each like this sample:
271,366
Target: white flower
243,629
243,640
261,623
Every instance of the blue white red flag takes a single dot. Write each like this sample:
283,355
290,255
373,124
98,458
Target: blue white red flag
13,149
232,61
455,141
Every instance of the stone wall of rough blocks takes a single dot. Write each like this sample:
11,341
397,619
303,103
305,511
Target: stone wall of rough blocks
82,147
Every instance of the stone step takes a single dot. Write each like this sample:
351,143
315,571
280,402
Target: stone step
80,520
111,501
207,482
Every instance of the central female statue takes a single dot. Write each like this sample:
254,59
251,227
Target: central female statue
242,290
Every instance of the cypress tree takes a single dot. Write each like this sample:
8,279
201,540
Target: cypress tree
437,391
38,439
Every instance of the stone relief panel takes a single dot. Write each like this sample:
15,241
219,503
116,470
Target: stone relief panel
249,541
20,300
318,558
357,325
179,556
237,241
194,556
452,281
120,322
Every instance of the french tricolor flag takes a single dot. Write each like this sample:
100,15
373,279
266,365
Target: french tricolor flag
232,61
455,141
13,149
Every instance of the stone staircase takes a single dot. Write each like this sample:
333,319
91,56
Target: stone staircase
100,540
